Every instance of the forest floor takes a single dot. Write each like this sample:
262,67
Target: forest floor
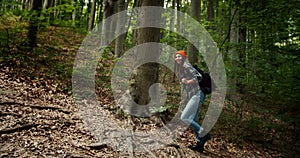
37,121
39,117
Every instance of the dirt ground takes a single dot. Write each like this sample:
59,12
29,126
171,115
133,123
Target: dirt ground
39,121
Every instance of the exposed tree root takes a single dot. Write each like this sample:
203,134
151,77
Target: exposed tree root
37,107
18,129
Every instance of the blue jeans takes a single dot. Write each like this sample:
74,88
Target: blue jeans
190,113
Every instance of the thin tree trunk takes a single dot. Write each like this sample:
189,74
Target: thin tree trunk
210,14
135,4
45,4
74,14
88,12
242,54
50,4
28,4
100,11
92,16
115,20
178,15
55,11
172,16
233,57
81,12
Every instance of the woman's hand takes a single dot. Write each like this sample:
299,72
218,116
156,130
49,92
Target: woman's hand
186,81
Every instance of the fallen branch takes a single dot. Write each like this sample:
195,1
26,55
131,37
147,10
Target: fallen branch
37,107
2,113
10,103
98,146
49,108
18,129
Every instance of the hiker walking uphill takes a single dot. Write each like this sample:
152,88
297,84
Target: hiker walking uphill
188,77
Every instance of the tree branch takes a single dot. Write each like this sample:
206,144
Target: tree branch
229,26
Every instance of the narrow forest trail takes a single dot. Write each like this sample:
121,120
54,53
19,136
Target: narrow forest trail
38,121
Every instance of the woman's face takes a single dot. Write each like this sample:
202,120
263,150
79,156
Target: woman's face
178,58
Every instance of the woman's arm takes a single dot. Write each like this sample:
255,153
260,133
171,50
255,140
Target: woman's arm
186,81
192,75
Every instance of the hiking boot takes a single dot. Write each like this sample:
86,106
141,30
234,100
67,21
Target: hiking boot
198,147
205,138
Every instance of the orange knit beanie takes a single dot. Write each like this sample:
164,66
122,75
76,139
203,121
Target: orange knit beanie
181,52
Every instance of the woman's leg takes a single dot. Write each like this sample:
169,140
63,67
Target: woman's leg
196,130
190,114
196,118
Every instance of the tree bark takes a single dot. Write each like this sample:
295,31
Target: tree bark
34,23
178,15
146,75
135,4
119,46
242,54
100,11
191,49
49,4
28,4
172,16
233,56
92,16
74,13
210,14
106,27
45,3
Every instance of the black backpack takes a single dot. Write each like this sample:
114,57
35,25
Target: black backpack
206,83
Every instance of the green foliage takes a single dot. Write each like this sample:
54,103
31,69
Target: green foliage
267,64
11,33
174,40
104,68
266,67
161,109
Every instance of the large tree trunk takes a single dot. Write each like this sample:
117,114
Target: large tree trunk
146,75
191,49
34,23
108,11
119,46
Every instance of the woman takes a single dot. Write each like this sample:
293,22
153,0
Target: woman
188,77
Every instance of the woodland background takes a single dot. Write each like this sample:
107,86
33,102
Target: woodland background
258,39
